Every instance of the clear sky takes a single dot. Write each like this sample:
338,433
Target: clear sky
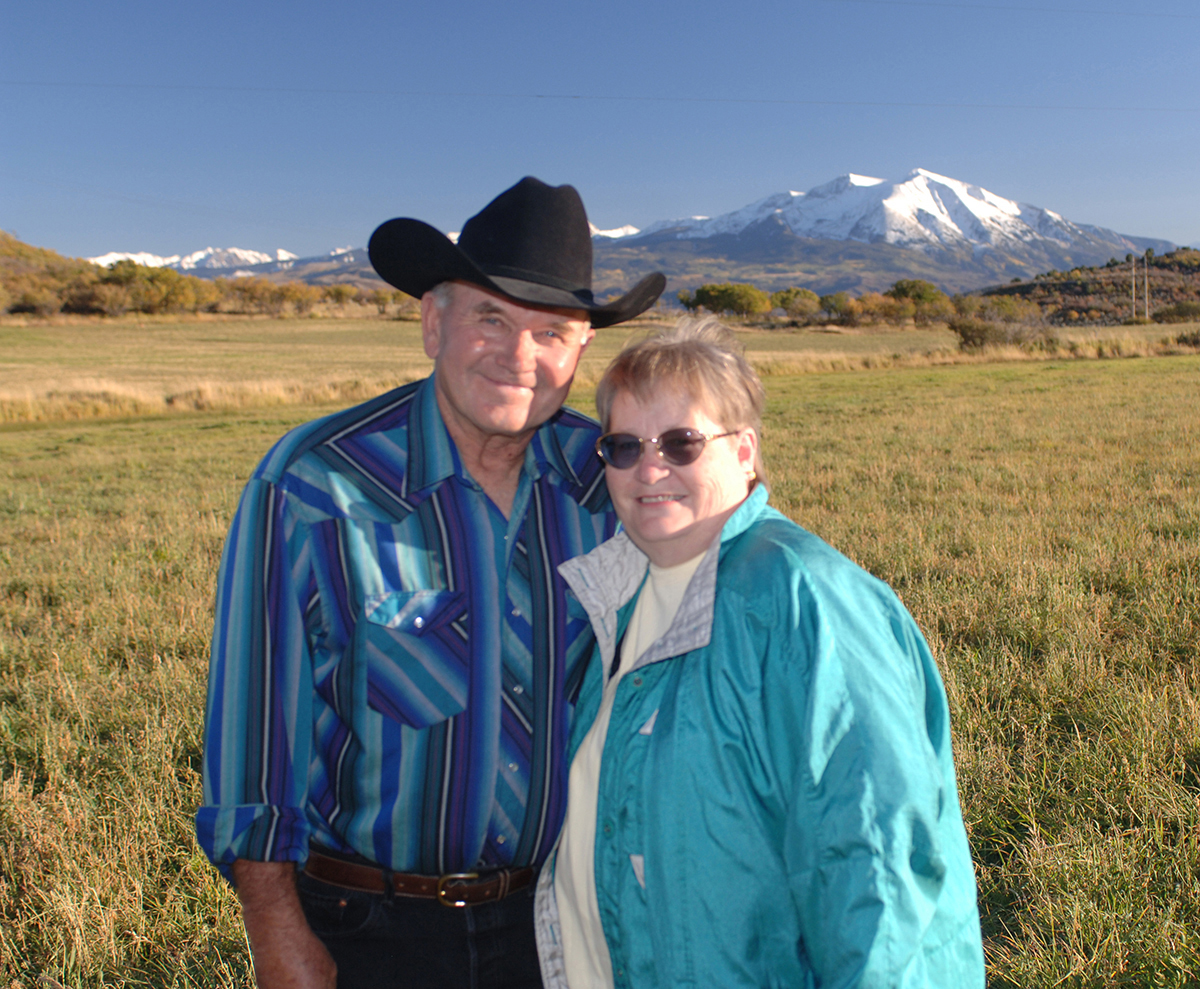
164,127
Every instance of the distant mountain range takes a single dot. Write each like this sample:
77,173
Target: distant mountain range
853,233
216,258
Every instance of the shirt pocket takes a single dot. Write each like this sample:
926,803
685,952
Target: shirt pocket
414,647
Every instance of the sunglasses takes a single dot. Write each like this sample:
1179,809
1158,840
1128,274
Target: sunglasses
676,446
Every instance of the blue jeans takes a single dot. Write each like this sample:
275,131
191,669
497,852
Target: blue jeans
380,943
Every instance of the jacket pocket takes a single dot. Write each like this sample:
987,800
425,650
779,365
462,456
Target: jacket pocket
414,647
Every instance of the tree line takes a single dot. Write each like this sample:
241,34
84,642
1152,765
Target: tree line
1085,295
41,282
908,300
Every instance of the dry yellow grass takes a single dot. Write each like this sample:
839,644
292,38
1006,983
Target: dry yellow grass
76,368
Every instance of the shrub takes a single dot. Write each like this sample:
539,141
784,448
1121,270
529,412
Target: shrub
339,294
112,300
207,294
407,306
36,299
876,308
256,295
934,311
841,307
380,298
975,334
996,308
799,303
301,296
1180,312
1189,339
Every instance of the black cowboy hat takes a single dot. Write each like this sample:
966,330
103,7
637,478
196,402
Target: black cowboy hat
532,243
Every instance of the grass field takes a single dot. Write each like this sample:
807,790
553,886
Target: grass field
84,368
1041,520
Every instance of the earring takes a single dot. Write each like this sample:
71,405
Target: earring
751,476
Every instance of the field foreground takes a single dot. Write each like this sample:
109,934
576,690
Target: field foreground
1041,521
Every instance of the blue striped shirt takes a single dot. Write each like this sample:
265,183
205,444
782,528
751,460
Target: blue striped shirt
394,663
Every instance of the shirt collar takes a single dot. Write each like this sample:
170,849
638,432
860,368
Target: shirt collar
433,457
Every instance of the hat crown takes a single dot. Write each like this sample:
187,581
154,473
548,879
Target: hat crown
531,244
533,231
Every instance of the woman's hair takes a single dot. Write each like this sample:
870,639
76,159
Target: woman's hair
698,358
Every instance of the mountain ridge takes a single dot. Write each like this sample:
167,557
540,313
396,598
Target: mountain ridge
854,232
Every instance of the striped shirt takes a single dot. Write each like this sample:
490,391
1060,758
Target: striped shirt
394,663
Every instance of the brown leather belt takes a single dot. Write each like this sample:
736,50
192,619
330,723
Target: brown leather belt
456,889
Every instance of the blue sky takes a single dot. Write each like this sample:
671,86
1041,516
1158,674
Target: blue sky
138,126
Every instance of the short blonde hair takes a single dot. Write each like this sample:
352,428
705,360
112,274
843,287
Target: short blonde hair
698,358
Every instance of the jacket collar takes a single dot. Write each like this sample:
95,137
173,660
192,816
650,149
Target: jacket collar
610,576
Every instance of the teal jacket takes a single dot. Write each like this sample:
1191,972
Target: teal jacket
777,802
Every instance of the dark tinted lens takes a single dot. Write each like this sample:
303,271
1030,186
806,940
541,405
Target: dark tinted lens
681,446
620,449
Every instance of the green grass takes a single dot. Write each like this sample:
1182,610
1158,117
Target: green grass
1041,520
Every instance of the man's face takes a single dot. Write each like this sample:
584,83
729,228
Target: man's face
501,369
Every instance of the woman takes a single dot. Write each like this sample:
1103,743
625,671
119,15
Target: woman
776,802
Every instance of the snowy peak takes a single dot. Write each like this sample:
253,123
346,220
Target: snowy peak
141,257
209,258
225,257
616,233
843,184
925,211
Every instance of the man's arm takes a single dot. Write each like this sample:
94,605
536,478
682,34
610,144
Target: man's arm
287,955
258,732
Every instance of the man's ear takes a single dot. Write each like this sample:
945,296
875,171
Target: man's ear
431,325
588,336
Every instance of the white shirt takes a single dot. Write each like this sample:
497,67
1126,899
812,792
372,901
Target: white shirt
585,952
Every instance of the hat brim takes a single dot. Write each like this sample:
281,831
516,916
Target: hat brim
414,257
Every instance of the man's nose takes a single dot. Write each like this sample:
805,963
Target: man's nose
520,349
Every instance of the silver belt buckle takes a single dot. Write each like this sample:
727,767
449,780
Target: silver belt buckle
450,877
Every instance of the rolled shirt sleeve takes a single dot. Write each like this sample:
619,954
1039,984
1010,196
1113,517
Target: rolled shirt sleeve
258,725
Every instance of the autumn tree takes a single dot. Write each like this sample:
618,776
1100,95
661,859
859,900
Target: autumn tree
876,308
839,306
339,294
738,298
301,296
799,303
930,303
380,298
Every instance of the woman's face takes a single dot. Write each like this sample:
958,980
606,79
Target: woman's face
673,513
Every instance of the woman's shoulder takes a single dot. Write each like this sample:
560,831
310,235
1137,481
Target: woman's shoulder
775,556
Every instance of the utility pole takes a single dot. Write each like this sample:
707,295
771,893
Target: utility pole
1132,287
1146,293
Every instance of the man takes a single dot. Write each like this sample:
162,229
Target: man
394,659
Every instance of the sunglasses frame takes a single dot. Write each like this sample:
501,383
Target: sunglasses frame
657,442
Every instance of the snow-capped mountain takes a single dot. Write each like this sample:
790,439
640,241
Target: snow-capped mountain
139,257
209,258
855,233
925,211
616,233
